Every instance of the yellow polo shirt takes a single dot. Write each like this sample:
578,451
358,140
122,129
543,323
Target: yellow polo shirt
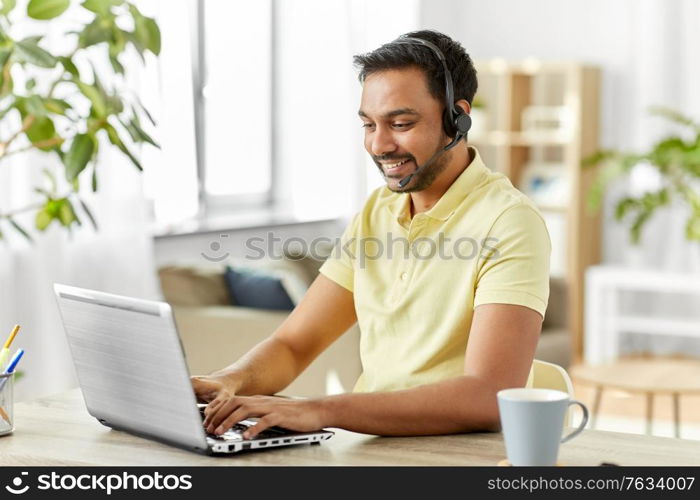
417,281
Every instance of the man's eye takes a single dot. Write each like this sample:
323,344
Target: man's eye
367,125
403,125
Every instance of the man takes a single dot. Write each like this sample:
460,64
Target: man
442,330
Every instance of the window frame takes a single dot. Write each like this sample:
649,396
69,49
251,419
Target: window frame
217,204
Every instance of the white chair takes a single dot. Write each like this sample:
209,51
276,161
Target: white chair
544,375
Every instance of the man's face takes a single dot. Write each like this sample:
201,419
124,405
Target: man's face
403,127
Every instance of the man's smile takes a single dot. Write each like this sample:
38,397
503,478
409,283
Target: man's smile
396,166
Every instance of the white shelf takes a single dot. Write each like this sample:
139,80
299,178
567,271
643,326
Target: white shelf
658,326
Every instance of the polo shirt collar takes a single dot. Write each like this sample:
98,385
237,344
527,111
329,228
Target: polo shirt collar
448,203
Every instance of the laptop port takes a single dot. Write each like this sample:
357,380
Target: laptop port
286,440
246,446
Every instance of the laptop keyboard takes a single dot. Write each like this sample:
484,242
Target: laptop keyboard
236,433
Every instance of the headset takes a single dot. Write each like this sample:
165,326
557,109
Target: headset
455,121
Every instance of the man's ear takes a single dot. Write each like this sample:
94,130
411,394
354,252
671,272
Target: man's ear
464,104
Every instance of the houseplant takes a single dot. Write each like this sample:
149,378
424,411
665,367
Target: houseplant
677,160
64,104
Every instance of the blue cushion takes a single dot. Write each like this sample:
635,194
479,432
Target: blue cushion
254,289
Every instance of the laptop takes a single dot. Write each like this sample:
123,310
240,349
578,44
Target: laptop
132,371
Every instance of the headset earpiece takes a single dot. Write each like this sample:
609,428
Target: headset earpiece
463,122
455,121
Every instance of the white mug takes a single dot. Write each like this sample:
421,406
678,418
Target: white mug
532,421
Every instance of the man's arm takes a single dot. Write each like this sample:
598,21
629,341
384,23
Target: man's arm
326,312
499,354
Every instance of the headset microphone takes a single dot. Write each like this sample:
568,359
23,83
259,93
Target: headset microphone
455,121
407,179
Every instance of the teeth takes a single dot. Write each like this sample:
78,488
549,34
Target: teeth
394,165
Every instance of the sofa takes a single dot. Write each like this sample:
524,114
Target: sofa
215,333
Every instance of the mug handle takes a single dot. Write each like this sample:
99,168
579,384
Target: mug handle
583,423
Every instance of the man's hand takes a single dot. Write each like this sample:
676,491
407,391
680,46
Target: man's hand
207,388
298,415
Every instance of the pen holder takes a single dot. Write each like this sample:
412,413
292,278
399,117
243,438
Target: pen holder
7,423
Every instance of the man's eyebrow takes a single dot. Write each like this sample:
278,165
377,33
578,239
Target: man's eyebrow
393,113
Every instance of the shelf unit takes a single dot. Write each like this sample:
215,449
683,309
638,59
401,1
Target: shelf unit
510,144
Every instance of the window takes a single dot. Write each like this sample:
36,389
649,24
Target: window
233,102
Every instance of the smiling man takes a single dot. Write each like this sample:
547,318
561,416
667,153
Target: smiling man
446,273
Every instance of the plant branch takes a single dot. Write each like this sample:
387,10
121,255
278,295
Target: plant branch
26,123
47,143
13,213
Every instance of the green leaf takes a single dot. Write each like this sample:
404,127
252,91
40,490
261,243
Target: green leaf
637,225
46,9
5,75
673,116
66,214
43,219
94,179
5,53
117,141
35,106
42,129
623,207
115,104
6,84
56,106
98,31
20,229
101,7
144,111
692,228
87,211
93,94
69,66
137,133
31,83
140,49
116,65
78,155
146,31
7,6
153,36
28,51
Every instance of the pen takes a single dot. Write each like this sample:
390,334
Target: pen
11,366
13,362
10,369
5,352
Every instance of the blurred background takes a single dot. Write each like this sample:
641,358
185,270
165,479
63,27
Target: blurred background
227,201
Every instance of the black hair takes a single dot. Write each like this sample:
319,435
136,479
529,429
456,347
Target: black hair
397,56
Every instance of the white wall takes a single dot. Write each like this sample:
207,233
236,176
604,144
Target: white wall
642,46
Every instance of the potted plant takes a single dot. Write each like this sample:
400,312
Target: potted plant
677,160
59,104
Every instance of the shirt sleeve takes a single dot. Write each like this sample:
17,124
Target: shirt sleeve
515,265
340,265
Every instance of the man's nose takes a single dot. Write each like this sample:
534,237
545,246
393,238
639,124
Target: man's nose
382,142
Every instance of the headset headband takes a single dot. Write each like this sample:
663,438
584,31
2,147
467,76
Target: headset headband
449,89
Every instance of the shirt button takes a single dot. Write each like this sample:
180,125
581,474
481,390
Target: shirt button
404,276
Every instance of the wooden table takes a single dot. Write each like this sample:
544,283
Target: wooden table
648,376
58,431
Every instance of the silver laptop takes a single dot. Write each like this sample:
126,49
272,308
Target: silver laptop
132,371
